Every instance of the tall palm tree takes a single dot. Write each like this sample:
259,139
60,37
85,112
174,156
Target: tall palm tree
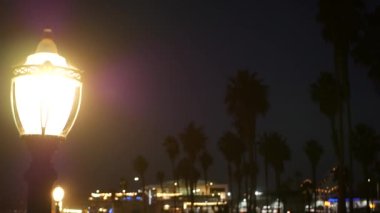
206,162
140,165
307,190
238,175
172,149
279,153
182,169
341,22
246,99
240,169
313,151
160,176
226,145
265,142
193,142
366,143
325,92
188,172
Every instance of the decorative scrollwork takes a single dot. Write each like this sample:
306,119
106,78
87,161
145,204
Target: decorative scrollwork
32,69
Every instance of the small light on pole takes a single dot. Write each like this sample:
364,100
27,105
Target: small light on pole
58,194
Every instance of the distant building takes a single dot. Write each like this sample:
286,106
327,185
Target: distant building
172,196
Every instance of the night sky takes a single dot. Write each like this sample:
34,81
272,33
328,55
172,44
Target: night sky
151,67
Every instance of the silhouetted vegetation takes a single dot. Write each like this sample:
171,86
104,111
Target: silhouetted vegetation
246,99
366,144
140,165
160,176
313,151
206,162
349,31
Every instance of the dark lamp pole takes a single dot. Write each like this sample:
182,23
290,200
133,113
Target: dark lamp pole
45,96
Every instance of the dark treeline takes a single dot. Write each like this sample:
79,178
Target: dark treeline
354,34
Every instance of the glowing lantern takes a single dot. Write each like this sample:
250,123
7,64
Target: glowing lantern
46,93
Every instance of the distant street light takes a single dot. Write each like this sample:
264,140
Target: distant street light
58,194
45,97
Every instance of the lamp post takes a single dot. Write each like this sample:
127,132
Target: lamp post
45,97
58,194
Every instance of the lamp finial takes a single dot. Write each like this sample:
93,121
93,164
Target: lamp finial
47,44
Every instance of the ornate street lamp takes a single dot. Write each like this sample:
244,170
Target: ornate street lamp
45,96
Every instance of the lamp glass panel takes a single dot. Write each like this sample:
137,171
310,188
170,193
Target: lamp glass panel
44,103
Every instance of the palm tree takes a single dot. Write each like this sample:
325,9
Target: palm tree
172,149
206,162
325,92
307,190
226,145
140,165
341,22
246,99
188,172
182,170
366,144
279,152
264,149
240,169
313,151
193,142
160,176
238,175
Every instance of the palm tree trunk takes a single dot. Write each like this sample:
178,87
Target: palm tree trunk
314,172
187,186
349,124
366,175
229,170
143,191
350,160
278,182
340,57
253,163
238,179
341,176
143,183
246,177
192,195
175,186
266,179
206,182
334,137
252,176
